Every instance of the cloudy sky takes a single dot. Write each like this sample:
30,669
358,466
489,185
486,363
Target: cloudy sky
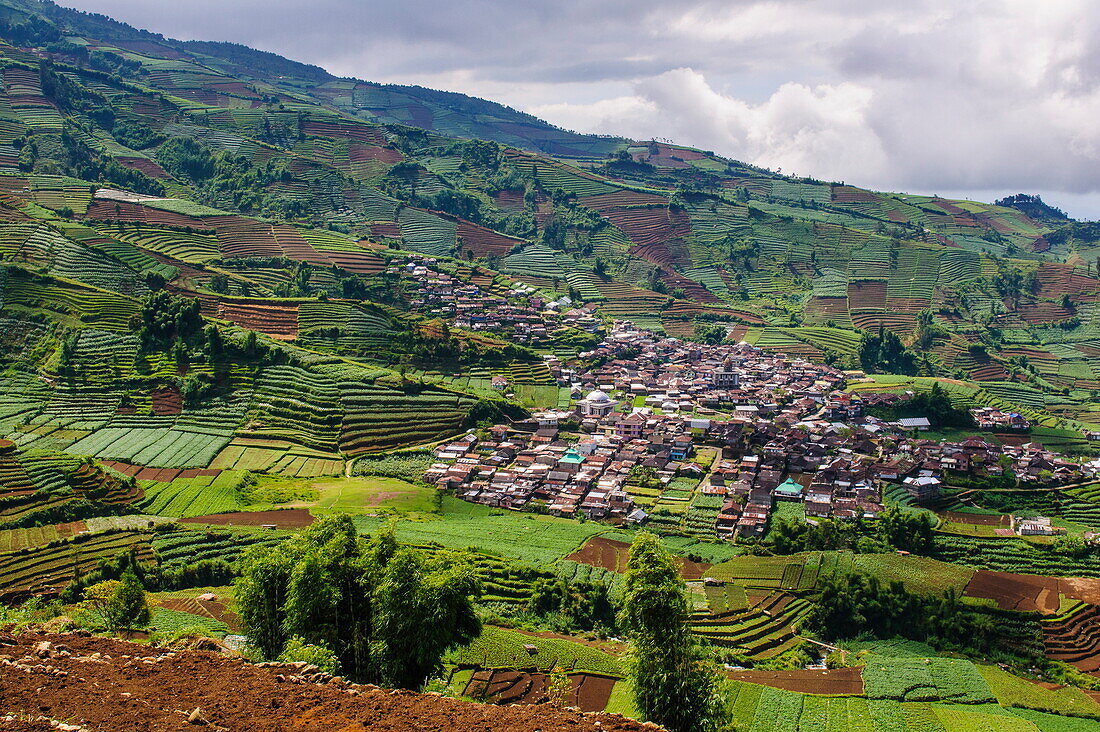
977,98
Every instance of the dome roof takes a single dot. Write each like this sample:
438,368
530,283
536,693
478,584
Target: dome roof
598,396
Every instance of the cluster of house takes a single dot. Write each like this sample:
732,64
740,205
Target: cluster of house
778,429
520,314
988,418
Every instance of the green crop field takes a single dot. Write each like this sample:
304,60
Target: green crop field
537,539
501,648
374,494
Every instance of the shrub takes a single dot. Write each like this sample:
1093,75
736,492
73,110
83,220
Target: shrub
314,653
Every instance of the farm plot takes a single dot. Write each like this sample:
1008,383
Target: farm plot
46,570
501,648
294,404
535,540
1012,691
190,545
277,457
613,555
657,233
925,679
69,302
765,630
427,233
213,491
1026,593
378,418
186,247
16,540
155,447
287,518
837,681
588,692
278,319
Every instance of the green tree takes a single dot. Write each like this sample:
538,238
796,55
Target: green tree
911,532
675,681
388,615
118,604
423,610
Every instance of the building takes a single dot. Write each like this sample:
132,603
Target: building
597,404
788,490
924,488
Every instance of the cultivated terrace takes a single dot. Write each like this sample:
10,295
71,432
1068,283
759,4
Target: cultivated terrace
266,332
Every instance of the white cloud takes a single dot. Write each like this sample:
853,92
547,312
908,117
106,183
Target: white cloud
820,131
896,94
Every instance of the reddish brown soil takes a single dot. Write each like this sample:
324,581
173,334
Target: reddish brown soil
1025,592
290,518
145,165
166,400
589,692
807,681
483,242
612,555
140,688
273,318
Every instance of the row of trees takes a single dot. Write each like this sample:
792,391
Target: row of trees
894,529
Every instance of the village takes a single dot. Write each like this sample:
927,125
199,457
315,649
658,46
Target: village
661,429
521,314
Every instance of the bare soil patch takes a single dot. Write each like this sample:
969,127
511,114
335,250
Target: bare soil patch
589,692
978,519
807,681
1024,592
612,555
135,687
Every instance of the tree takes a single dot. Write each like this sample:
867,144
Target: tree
911,532
675,681
710,333
118,604
421,615
885,353
387,614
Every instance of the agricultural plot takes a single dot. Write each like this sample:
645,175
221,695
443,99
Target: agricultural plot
47,569
155,447
375,494
427,233
17,540
293,404
766,629
925,679
378,418
501,648
68,302
214,492
533,539
195,248
277,457
186,546
1012,691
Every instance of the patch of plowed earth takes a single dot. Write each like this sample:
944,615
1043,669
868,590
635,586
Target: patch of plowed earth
611,554
807,681
587,692
134,687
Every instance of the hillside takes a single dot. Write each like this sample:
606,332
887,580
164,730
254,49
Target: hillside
239,295
652,232
128,686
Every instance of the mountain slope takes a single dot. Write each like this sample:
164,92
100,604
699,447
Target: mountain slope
248,175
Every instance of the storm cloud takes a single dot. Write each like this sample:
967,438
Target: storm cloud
979,98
